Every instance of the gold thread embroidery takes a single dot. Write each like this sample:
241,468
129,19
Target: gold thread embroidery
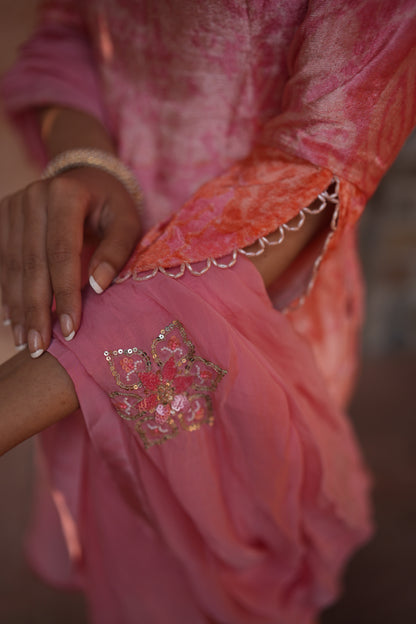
169,390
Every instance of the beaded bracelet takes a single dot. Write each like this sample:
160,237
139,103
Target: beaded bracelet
99,159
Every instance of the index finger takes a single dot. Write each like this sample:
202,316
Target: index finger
67,205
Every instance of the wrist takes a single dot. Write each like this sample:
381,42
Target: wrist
74,158
64,129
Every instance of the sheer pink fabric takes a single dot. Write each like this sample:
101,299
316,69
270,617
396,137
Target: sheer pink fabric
239,463
211,472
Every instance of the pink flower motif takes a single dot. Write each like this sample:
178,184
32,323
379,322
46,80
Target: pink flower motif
150,381
149,403
162,414
180,402
169,370
182,383
170,390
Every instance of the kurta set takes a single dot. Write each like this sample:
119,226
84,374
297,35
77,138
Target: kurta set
211,472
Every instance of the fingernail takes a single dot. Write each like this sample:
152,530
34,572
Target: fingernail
21,347
19,336
34,341
103,276
95,286
67,326
6,315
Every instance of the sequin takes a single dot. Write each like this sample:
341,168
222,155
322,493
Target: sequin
169,392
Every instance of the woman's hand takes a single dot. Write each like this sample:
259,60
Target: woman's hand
42,232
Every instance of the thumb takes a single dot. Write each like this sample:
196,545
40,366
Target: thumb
119,237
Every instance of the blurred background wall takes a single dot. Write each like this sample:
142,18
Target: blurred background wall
380,580
388,251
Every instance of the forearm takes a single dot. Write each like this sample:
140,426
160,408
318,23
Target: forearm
65,128
34,394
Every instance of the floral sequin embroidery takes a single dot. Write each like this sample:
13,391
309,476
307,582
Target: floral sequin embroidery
167,391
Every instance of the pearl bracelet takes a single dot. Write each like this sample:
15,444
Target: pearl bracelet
99,159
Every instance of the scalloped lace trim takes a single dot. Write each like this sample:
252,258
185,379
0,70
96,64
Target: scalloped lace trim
333,199
326,197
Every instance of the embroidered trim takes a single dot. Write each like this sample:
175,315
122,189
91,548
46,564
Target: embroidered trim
334,199
324,198
167,391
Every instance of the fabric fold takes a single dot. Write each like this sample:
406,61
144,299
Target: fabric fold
250,546
350,100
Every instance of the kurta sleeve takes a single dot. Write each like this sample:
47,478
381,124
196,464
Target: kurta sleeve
349,104
56,66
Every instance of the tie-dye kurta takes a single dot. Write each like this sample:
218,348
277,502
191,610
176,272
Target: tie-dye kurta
211,472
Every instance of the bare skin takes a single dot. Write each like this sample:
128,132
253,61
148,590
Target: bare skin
42,229
34,394
42,235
